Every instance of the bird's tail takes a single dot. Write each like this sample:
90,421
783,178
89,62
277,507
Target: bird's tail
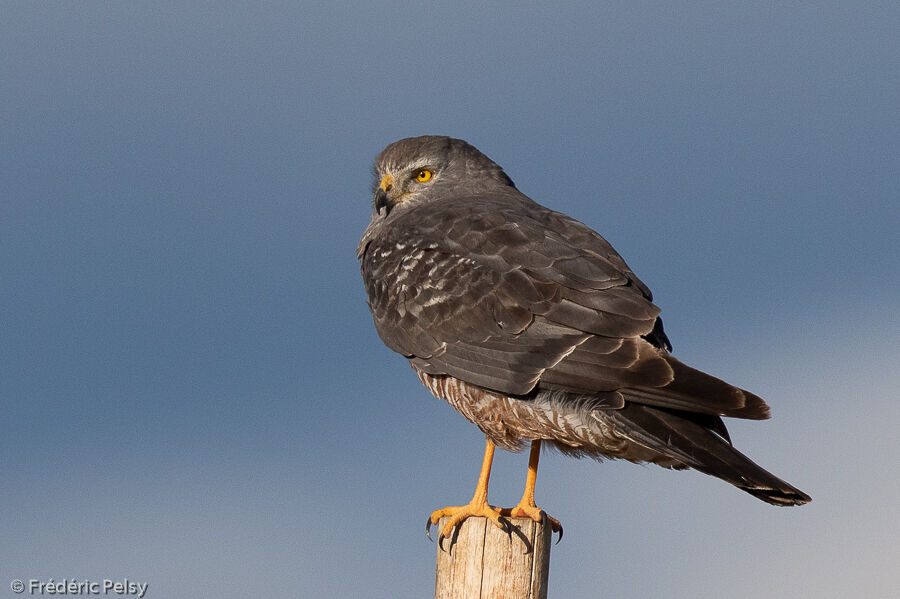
699,444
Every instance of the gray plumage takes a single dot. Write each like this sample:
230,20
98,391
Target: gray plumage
532,326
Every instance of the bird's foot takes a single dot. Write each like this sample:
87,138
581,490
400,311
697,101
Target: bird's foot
457,514
530,510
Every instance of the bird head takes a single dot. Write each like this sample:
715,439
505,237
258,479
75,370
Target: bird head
430,168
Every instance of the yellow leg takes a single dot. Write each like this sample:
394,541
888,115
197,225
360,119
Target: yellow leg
477,507
526,507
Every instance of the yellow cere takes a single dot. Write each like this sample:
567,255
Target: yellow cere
386,182
423,175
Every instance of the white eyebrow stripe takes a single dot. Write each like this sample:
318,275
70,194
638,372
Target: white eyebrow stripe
421,162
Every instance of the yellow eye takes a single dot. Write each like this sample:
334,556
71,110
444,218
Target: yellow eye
423,175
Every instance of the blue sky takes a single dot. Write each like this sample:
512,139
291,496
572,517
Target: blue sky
192,389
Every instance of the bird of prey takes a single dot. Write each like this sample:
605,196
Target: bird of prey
531,325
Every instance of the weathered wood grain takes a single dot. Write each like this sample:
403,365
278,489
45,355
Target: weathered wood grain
485,563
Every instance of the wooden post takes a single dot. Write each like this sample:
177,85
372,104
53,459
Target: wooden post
485,563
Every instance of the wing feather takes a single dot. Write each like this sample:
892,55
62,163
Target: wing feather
503,293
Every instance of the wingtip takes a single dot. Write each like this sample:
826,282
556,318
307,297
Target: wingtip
780,497
755,407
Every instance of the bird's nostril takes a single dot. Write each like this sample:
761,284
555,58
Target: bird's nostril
388,188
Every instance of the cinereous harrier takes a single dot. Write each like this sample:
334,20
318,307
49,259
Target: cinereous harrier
533,327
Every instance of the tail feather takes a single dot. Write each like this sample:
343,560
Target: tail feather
701,445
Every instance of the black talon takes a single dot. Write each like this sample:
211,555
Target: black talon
560,534
428,529
518,532
440,541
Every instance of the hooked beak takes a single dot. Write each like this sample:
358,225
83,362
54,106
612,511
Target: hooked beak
381,194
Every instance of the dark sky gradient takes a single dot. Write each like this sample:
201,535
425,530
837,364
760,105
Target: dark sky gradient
192,389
